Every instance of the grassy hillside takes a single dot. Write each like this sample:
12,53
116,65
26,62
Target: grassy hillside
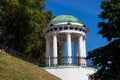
12,68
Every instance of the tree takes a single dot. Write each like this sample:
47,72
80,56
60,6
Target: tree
107,58
21,26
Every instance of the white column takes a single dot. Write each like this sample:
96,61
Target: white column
62,57
81,50
54,49
69,50
51,51
75,52
47,52
84,46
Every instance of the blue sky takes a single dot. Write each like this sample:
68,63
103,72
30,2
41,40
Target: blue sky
85,10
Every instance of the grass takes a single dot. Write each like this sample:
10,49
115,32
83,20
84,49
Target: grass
12,68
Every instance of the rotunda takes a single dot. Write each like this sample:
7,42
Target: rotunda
66,48
70,30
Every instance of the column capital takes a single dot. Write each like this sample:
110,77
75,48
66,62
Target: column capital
81,35
84,37
54,33
68,33
47,37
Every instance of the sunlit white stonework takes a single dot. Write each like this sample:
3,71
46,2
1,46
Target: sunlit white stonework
67,29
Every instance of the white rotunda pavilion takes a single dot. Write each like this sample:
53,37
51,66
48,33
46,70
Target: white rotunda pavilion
66,47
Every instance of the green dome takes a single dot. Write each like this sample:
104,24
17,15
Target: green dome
64,18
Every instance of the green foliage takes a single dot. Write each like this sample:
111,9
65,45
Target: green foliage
110,26
107,58
21,25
